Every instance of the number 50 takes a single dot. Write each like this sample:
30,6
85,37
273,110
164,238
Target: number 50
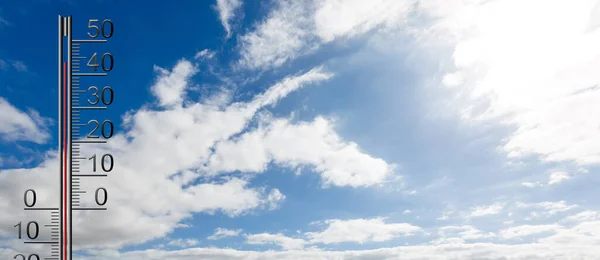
102,28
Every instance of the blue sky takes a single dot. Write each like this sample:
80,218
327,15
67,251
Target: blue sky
322,129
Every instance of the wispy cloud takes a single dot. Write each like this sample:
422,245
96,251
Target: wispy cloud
555,242
19,66
536,75
17,125
13,64
338,231
549,207
188,134
4,22
204,54
528,230
188,242
221,233
293,29
361,231
558,177
278,239
480,211
227,10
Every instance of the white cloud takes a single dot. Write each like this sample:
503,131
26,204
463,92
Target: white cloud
170,86
583,234
293,29
539,75
532,184
347,18
462,233
456,251
480,211
445,214
452,80
227,10
588,215
314,143
4,22
16,125
188,242
165,153
274,199
548,52
149,209
289,84
19,66
279,38
307,143
338,231
550,207
527,230
361,231
161,153
278,239
558,177
204,54
221,233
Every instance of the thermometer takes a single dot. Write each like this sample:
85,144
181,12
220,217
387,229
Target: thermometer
81,64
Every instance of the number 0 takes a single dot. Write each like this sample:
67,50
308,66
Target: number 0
29,205
36,230
101,203
112,62
107,96
112,28
104,168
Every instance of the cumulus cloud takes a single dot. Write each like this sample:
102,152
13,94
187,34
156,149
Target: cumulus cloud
579,242
480,211
537,75
221,233
165,153
159,151
338,231
278,239
558,177
527,230
457,251
188,242
588,215
361,231
313,143
549,207
583,234
463,233
170,85
17,125
529,184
